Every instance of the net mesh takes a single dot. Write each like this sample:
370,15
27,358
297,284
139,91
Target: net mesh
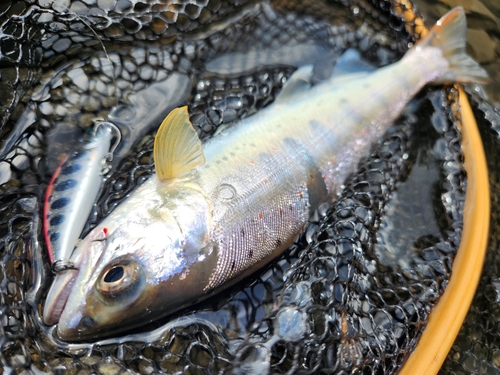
354,292
477,347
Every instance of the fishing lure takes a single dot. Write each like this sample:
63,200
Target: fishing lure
215,213
73,190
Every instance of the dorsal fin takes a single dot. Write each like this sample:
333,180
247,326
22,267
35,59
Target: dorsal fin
298,82
177,148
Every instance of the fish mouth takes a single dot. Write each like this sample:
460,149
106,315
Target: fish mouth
63,287
58,296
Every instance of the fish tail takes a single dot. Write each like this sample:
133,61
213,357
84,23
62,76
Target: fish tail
449,34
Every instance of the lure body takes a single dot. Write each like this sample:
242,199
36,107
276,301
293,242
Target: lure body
71,193
211,217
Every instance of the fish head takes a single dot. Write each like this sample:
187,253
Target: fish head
155,259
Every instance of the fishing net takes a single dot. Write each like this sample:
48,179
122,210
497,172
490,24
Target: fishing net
477,347
352,295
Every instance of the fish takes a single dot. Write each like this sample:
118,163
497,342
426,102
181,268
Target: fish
214,213
72,192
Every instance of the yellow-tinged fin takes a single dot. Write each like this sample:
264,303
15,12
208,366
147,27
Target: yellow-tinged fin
177,148
450,35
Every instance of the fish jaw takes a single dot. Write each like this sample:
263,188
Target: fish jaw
152,247
58,296
86,313
63,283
90,315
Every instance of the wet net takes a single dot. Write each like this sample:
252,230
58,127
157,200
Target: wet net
352,295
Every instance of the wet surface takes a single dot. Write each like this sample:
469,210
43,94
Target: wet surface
337,300
477,347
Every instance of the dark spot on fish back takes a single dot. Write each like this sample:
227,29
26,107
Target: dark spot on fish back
54,237
56,220
60,203
250,254
278,243
242,232
72,168
233,265
65,185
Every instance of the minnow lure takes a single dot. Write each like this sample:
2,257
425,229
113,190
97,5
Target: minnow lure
213,214
72,192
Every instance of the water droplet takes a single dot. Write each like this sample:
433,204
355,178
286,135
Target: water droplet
496,285
290,324
226,192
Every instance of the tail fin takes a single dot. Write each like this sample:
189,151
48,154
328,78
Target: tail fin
449,34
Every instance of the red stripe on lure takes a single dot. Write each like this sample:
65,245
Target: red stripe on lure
48,193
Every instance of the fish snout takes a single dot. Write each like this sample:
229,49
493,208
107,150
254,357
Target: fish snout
79,327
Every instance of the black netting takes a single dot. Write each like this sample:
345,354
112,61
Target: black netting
477,347
355,290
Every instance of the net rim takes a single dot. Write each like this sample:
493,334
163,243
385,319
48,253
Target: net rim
447,316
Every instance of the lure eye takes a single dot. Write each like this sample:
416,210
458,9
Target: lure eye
119,280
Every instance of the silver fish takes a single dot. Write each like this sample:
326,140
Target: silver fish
213,214
72,192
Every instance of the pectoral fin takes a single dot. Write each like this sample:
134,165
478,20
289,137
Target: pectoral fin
177,148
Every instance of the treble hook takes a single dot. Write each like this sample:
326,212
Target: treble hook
63,265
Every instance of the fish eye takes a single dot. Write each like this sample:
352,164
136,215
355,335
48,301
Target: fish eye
119,280
114,274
